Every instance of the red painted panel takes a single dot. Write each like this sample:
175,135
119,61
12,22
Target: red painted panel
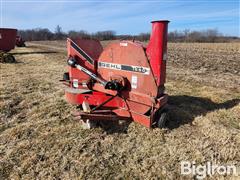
7,39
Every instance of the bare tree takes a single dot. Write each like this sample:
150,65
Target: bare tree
186,34
143,36
104,35
59,33
80,34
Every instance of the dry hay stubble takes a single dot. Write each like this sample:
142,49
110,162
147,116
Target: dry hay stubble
38,137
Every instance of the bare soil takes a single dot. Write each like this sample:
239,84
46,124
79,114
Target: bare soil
39,139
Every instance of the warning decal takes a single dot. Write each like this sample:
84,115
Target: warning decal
134,82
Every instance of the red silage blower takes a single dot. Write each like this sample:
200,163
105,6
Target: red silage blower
124,81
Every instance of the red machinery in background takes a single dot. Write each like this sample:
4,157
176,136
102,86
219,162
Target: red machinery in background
124,81
7,43
20,42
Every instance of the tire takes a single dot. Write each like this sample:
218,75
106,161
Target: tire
9,59
162,119
1,57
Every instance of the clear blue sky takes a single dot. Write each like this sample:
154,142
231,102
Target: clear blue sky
122,16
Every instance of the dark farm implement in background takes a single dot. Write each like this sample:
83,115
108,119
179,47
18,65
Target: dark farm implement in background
121,82
20,42
7,43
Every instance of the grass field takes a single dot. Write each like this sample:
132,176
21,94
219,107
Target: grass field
39,138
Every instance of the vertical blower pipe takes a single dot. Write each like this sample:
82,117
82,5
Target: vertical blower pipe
157,50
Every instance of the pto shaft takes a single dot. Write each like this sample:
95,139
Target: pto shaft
112,85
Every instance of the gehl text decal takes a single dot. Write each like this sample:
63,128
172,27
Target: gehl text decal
137,69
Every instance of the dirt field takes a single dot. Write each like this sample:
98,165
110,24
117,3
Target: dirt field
39,139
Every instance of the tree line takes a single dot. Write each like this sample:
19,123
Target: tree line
39,34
